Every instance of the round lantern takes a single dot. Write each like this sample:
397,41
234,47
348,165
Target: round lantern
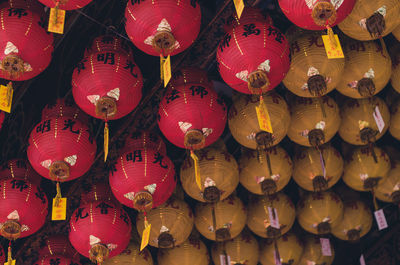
23,208
356,223
191,252
97,192
171,223
311,74
371,20
26,46
242,249
243,112
394,128
395,78
58,245
100,230
255,174
317,170
218,171
312,253
263,223
131,255
367,70
170,29
314,120
229,221
56,259
20,169
289,247
388,190
191,114
65,4
253,56
320,212
144,140
64,108
316,15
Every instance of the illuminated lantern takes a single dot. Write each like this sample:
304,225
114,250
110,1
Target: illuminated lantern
259,220
171,28
64,108
58,245
65,4
253,56
320,212
26,46
243,111
171,223
312,253
388,190
367,70
356,223
20,199
98,192
191,114
242,249
132,255
394,128
358,125
230,218
20,169
371,20
317,170
314,121
56,259
289,246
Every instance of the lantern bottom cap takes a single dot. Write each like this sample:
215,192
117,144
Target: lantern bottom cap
222,234
165,240
264,140
143,201
316,137
211,194
324,12
59,171
106,107
13,64
268,186
317,85
320,183
194,139
353,235
324,228
366,87
273,232
164,42
258,82
11,230
98,253
376,25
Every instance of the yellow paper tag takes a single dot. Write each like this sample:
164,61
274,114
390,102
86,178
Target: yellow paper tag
56,20
6,94
167,70
59,213
10,263
162,61
264,120
196,169
331,51
239,5
145,237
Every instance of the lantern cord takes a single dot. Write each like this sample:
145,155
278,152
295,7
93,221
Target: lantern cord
196,169
106,139
322,161
58,195
56,14
277,255
269,164
321,103
9,254
371,148
146,222
331,35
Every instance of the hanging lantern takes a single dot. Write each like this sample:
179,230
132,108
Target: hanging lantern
65,4
388,190
289,247
394,128
171,223
64,108
56,259
367,70
395,78
58,245
253,56
26,45
229,221
192,115
261,219
242,249
144,140
131,255
356,223
170,29
218,172
359,126
255,174
100,230
317,170
371,20
243,111
314,121
20,199
98,192
20,169
312,253
311,74
320,212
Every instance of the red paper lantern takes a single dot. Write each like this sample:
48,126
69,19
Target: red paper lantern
26,46
316,14
64,108
98,192
23,208
66,4
58,245
20,169
57,259
108,43
163,26
141,140
191,115
100,230
253,56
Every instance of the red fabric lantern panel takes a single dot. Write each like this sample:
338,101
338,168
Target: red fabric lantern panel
98,192
107,84
142,140
25,45
108,43
66,4
191,115
20,169
58,245
316,14
253,57
57,259
64,108
163,26
61,149
100,230
23,208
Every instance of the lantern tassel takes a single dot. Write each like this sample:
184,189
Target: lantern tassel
9,254
277,255
196,169
106,138
331,36
58,195
56,15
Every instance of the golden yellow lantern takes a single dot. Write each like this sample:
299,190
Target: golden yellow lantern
260,218
311,74
366,168
171,223
244,125
314,120
317,170
388,190
320,212
260,176
218,172
370,20
242,249
356,223
367,70
289,246
394,128
131,255
230,218
312,253
358,126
